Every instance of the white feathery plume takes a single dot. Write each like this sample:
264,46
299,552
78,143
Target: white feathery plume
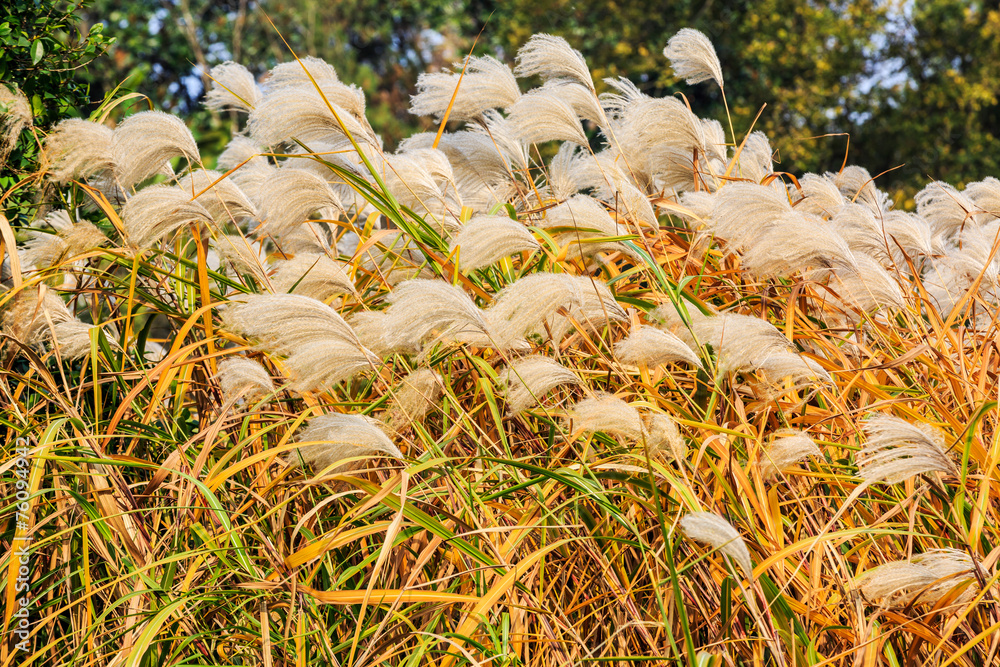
820,196
15,115
334,438
300,112
531,305
910,234
755,160
233,88
563,175
622,95
597,308
945,208
290,196
240,377
423,181
310,237
486,83
663,438
552,57
320,348
744,210
796,243
693,57
421,309
718,533
741,342
926,579
221,197
778,366
144,143
543,115
78,149
649,346
26,317
486,239
159,210
949,277
698,207
788,448
72,338
373,331
607,414
298,73
867,286
955,567
526,381
239,253
985,194
415,396
618,189
858,186
241,151
580,98
317,276
583,213
897,450
45,250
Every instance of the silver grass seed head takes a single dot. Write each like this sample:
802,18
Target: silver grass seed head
582,99
291,196
985,194
755,160
857,185
867,287
15,115
78,149
623,94
319,348
552,57
649,346
220,196
241,255
422,310
312,275
415,397
926,579
693,57
607,414
72,338
583,214
543,115
233,88
26,317
300,112
45,250
897,450
337,437
144,143
780,365
298,72
563,177
529,379
371,327
486,84
820,196
786,449
663,438
159,210
240,377
712,529
945,208
242,151
486,239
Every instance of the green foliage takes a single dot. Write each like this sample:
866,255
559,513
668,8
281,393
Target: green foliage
42,51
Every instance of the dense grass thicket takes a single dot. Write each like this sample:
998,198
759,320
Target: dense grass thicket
582,381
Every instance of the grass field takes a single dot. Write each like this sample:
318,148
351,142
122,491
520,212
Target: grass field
651,402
